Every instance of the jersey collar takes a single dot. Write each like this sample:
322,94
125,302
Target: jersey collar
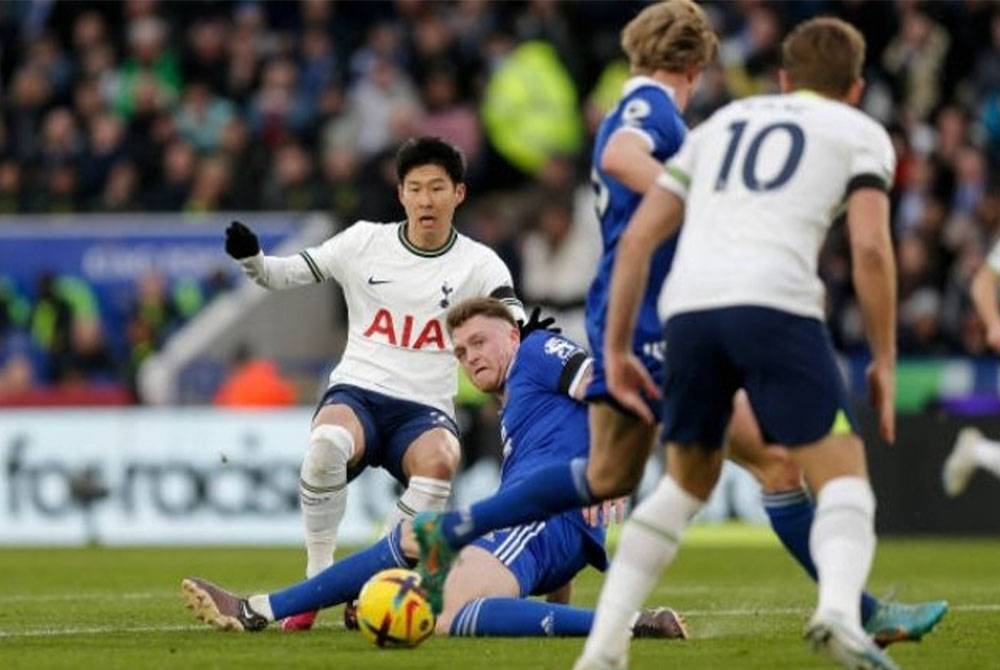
427,253
632,83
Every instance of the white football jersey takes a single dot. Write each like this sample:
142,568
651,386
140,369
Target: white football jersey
397,298
763,179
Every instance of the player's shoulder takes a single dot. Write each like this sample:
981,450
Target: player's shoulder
474,249
641,87
365,230
545,343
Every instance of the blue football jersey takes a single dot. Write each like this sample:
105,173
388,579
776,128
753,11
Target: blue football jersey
647,109
540,422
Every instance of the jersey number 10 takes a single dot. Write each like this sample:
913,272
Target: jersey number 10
749,172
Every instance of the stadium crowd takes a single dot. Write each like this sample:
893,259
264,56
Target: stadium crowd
201,107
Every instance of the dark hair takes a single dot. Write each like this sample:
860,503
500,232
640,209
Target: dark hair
473,307
418,151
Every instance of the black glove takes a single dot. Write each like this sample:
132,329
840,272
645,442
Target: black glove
241,242
536,322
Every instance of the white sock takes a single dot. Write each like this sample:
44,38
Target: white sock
323,493
261,604
648,543
422,494
987,455
842,543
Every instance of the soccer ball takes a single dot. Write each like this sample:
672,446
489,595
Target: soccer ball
393,610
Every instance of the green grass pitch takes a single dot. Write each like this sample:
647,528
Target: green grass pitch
744,599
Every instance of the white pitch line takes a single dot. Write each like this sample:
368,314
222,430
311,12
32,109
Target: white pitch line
109,630
95,630
60,597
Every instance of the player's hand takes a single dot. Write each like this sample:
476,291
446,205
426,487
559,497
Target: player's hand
993,337
603,514
536,322
882,392
241,242
628,380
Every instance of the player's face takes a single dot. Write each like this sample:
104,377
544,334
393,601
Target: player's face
484,347
430,197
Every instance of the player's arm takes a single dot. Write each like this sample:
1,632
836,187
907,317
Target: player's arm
984,298
874,276
658,216
627,158
273,272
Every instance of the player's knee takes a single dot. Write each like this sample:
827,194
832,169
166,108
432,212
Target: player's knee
612,480
330,449
773,467
437,461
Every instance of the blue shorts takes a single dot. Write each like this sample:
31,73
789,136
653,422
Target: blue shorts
652,356
785,362
546,555
390,426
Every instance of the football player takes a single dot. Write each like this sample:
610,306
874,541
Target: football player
389,401
758,185
540,382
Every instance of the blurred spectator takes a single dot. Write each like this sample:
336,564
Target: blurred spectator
204,58
51,320
559,256
152,317
752,56
89,360
247,162
11,199
339,188
202,117
278,111
254,382
210,190
448,116
382,90
151,70
105,148
121,189
172,192
915,58
290,185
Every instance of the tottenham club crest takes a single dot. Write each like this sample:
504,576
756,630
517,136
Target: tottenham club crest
447,291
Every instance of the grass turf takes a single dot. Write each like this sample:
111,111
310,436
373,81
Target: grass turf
744,599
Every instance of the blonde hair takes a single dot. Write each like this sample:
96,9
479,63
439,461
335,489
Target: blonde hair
824,54
473,307
674,35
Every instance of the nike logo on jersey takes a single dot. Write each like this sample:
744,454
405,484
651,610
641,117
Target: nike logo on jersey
376,282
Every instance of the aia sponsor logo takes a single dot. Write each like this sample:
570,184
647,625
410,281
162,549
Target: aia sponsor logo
405,331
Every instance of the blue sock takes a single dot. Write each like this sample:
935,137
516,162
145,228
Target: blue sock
519,617
547,492
342,580
791,514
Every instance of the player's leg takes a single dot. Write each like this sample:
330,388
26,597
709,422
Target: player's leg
700,383
615,437
429,464
647,545
341,432
800,400
485,592
790,510
971,451
842,542
337,440
337,584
